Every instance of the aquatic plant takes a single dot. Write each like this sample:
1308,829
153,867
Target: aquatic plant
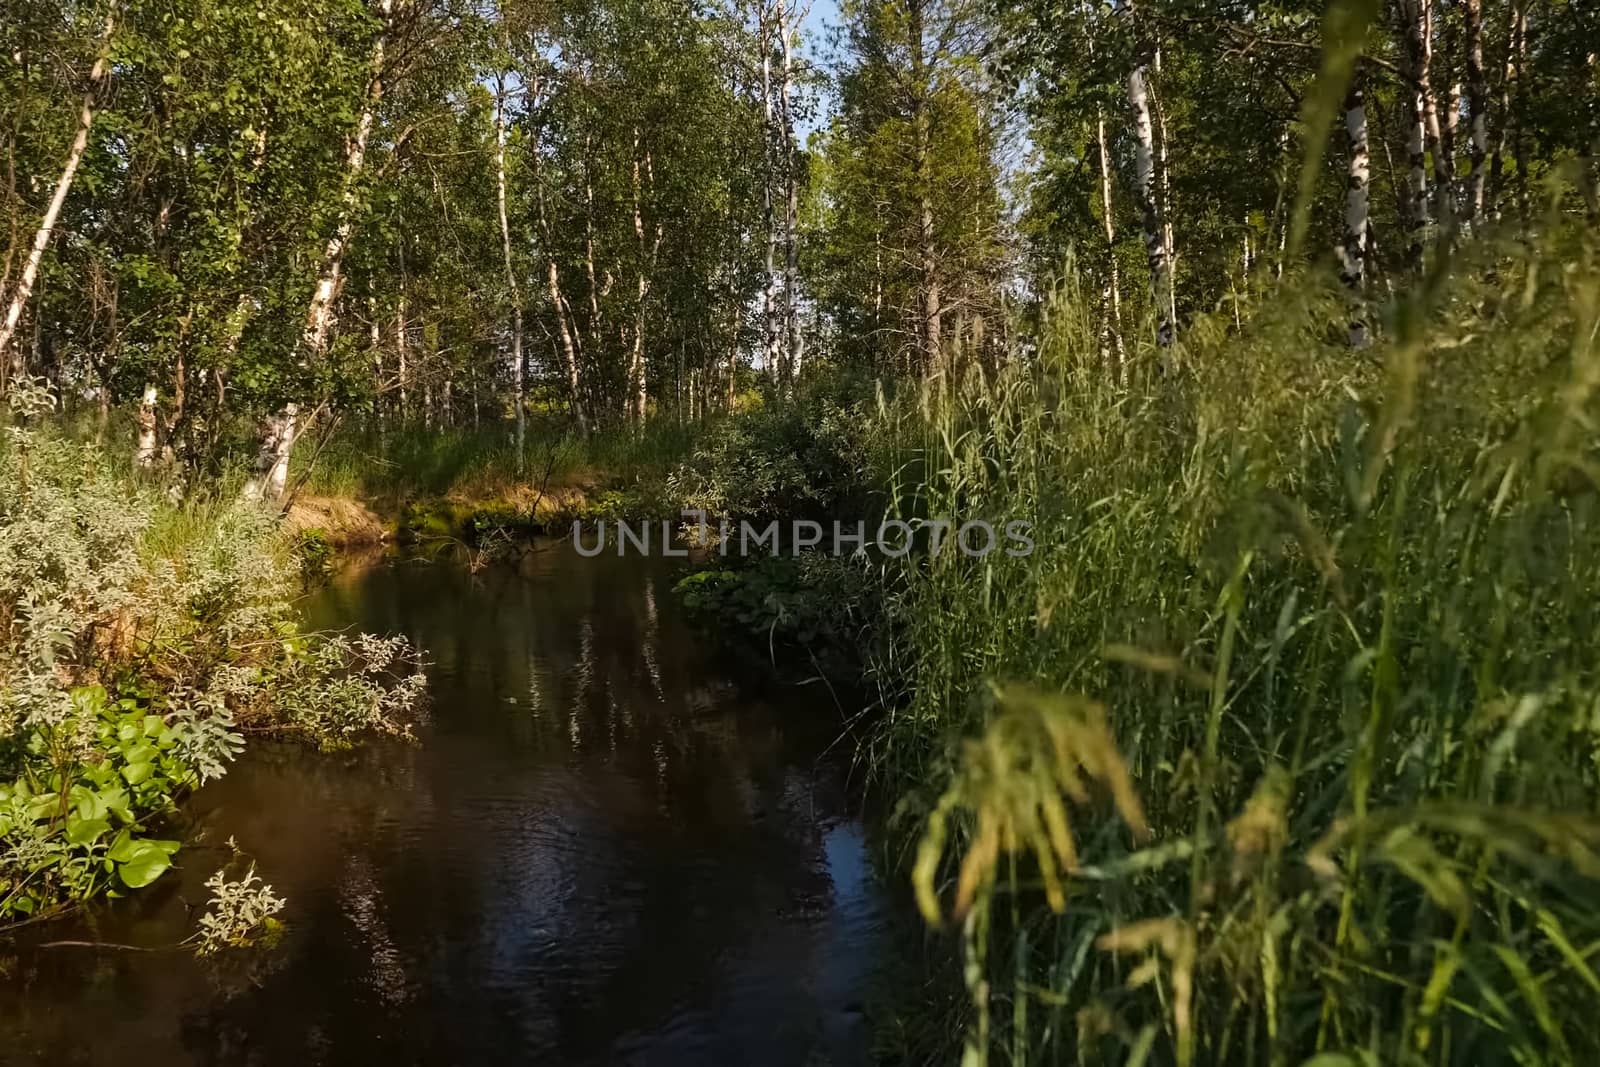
241,912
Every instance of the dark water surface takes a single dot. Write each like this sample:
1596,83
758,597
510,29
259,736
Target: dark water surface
606,848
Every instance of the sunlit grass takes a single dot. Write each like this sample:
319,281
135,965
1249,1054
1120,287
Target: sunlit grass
1339,607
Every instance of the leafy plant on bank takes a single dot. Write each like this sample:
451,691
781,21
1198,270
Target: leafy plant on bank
140,642
818,612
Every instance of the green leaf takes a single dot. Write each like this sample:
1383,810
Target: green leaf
137,772
148,860
83,832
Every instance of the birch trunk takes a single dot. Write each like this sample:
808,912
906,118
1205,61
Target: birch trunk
1477,110
518,374
278,433
1438,143
1155,245
1353,249
1417,108
636,363
47,225
144,453
1164,187
927,251
795,343
1510,100
558,304
1113,282
402,350
772,318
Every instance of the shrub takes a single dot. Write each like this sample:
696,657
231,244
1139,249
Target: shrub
139,642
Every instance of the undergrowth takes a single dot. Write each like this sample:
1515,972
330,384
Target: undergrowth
1282,746
140,643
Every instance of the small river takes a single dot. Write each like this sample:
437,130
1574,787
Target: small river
608,846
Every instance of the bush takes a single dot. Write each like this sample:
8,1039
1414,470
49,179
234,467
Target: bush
819,611
139,643
808,456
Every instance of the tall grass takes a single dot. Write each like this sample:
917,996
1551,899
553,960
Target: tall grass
1282,746
412,461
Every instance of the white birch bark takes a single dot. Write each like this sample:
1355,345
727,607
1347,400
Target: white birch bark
80,142
1155,245
636,362
518,374
795,342
772,317
144,453
1416,213
1113,282
921,124
1477,109
1353,249
558,304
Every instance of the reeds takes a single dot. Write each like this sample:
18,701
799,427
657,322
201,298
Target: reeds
1340,609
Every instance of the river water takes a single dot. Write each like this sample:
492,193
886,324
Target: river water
606,847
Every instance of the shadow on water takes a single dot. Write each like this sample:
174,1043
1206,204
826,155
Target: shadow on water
605,848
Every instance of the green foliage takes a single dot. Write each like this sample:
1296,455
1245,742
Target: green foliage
315,552
139,642
1334,605
815,610
812,455
240,914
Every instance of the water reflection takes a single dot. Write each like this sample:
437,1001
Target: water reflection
605,849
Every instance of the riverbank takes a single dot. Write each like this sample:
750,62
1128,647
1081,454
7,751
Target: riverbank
142,643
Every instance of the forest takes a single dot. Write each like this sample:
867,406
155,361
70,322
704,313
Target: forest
1277,326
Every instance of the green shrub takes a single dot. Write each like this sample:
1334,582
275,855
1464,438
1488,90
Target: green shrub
808,456
139,642
818,611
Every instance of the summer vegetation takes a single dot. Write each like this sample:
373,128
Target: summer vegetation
141,643
1277,322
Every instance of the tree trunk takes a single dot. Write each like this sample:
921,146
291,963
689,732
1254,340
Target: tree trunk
1510,99
558,304
275,441
1477,109
1438,142
518,378
1113,282
636,363
1417,109
47,225
795,343
921,124
1353,249
402,351
772,316
144,453
1164,187
1155,245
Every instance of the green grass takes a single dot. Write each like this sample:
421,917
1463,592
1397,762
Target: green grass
1322,623
412,462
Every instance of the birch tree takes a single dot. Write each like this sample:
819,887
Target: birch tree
513,287
23,289
1353,248
279,431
